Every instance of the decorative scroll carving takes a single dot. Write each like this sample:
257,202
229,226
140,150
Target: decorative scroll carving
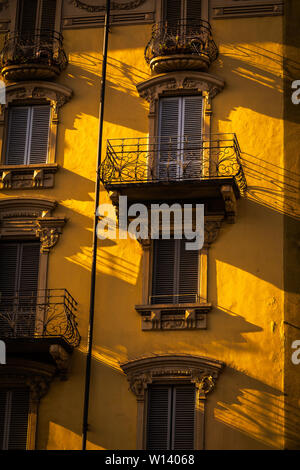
24,177
211,231
173,317
203,372
207,84
31,217
48,230
38,385
114,5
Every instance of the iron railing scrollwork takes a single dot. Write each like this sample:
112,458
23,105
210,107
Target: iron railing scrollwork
171,159
40,314
40,47
188,36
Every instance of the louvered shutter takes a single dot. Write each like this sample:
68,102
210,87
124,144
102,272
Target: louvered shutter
168,141
38,146
183,418
159,418
172,11
2,416
27,16
192,136
188,274
14,409
193,10
28,284
163,272
48,15
18,127
9,258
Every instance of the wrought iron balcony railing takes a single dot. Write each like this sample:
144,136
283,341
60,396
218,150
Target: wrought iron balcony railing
40,48
40,314
172,159
185,38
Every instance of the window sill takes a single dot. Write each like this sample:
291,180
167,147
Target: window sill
28,176
189,316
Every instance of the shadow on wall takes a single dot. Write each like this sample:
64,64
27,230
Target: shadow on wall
241,414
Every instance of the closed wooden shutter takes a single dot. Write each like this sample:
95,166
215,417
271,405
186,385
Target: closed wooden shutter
180,131
18,131
14,409
28,135
19,270
170,418
48,15
192,136
40,118
172,11
159,418
183,418
193,10
163,285
169,128
188,278
27,15
175,273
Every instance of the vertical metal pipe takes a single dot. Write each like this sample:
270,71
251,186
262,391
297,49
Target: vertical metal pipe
95,244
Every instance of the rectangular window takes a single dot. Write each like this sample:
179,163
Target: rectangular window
19,271
36,15
175,274
170,420
180,137
28,135
175,10
14,410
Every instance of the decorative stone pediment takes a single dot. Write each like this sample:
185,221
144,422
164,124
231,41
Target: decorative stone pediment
201,371
54,93
93,5
31,217
174,82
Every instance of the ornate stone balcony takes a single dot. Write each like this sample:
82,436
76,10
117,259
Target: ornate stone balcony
181,45
31,56
168,168
40,325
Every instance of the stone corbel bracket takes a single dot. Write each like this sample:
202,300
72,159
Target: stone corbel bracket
230,203
173,317
48,230
201,371
61,358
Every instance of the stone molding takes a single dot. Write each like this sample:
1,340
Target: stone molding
28,176
201,371
129,5
173,317
31,217
244,8
179,82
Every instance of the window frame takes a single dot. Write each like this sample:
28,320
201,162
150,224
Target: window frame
15,15
160,10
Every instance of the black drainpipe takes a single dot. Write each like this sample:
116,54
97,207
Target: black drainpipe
95,244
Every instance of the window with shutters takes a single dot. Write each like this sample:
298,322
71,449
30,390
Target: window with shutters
171,417
36,15
28,135
19,275
175,10
180,137
175,276
14,412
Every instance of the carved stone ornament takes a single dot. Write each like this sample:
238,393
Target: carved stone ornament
34,375
114,5
207,84
201,371
31,217
55,93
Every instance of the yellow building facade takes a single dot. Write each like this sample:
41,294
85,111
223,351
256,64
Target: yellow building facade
209,365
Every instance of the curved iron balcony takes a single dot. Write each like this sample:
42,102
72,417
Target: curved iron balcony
181,45
40,314
171,159
29,56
